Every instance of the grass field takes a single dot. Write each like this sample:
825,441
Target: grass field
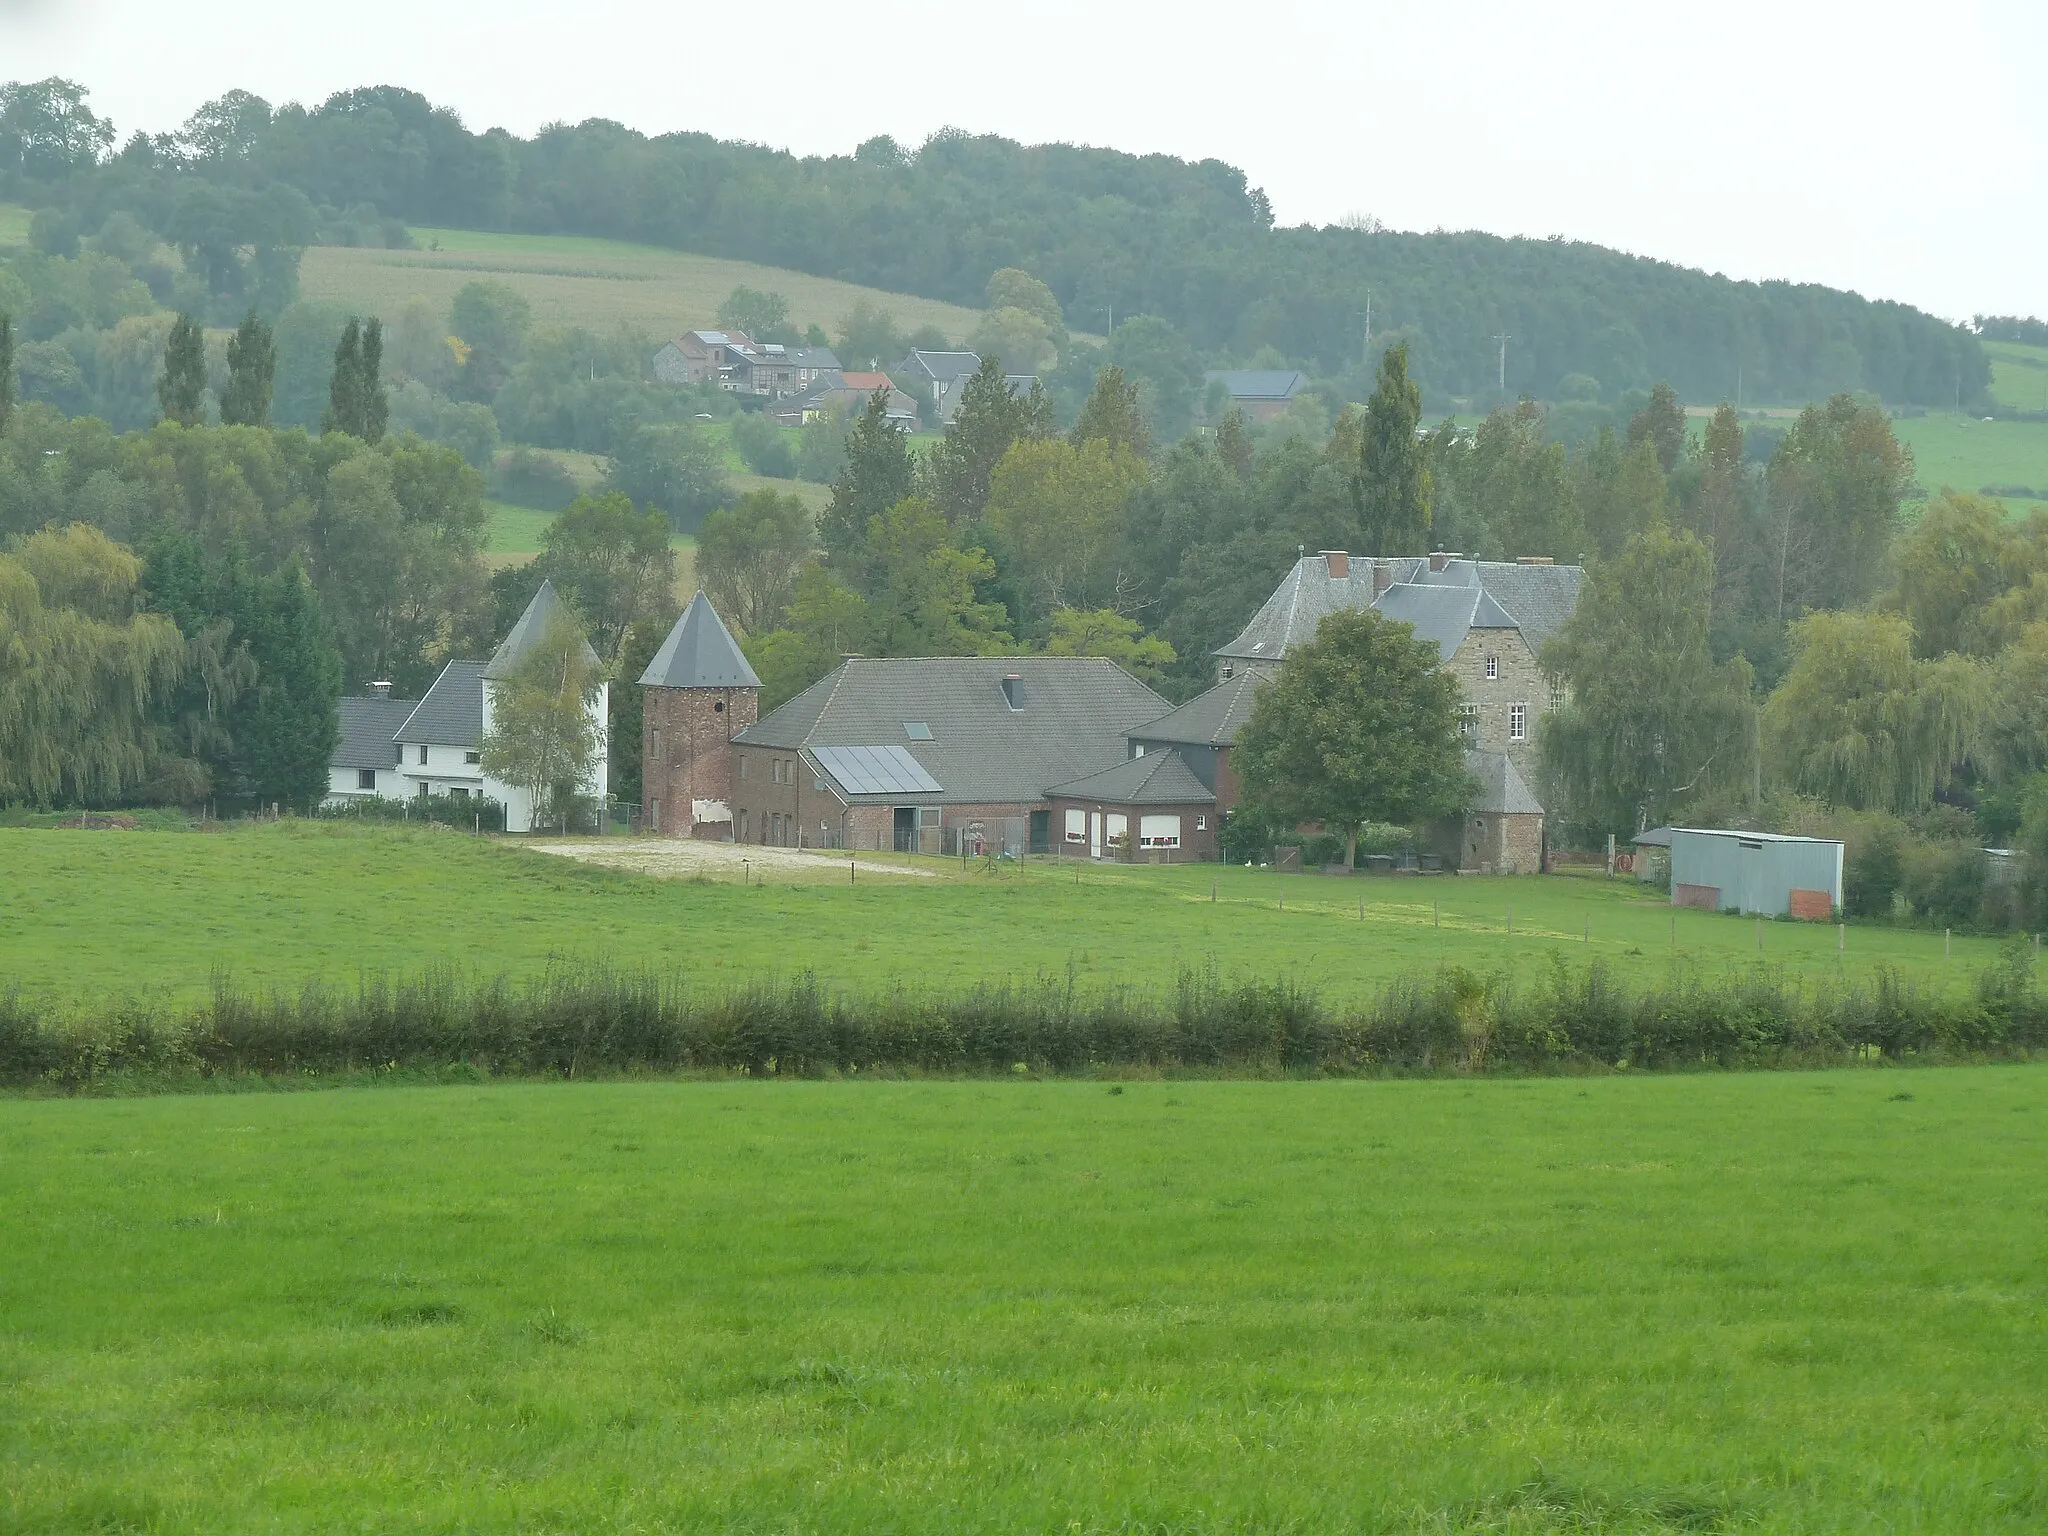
161,913
2019,375
1967,453
600,284
1759,1302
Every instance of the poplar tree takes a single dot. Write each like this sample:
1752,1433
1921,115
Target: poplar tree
252,365
6,370
1394,482
355,394
181,387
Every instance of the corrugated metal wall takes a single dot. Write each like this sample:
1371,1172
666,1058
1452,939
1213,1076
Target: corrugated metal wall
1755,874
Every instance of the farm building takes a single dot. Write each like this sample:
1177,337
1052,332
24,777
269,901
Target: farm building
1764,873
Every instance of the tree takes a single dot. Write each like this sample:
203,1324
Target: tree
6,369
1014,288
868,337
252,365
1394,481
922,589
750,556
676,468
1718,509
613,564
1360,725
826,621
1059,512
1964,571
876,474
1861,723
543,736
626,728
287,728
991,417
355,392
1103,632
755,313
1661,424
1111,415
1620,491
492,319
1015,335
181,387
85,673
1651,721
1836,482
1520,484
1156,357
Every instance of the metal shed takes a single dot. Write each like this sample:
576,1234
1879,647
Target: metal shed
1761,872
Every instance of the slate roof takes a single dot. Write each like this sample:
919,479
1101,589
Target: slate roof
1210,719
1259,383
1535,599
940,365
699,653
1502,790
1157,778
1076,711
813,357
368,728
527,633
452,713
1442,614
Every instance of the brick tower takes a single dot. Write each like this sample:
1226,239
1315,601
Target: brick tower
700,693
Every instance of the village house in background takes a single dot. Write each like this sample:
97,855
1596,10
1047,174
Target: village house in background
946,374
735,361
1260,393
435,746
846,396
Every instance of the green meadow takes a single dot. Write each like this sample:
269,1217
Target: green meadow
163,913
1769,1302
1965,453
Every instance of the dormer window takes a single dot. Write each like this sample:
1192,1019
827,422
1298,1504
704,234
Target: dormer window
1229,671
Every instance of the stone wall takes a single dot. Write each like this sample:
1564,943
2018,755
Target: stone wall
1520,681
686,754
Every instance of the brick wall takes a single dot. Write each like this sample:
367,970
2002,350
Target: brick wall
686,753
1197,844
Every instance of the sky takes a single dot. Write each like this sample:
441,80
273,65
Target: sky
1897,150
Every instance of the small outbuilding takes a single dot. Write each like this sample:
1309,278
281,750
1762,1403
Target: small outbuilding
1764,873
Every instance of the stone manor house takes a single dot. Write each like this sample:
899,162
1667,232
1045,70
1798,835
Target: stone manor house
1033,754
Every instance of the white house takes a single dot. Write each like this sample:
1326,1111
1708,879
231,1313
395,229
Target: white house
435,747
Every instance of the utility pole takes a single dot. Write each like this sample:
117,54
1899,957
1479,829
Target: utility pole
1368,327
1503,338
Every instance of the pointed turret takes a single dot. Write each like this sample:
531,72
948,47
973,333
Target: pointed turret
700,693
547,606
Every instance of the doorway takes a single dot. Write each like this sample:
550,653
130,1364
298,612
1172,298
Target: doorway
906,829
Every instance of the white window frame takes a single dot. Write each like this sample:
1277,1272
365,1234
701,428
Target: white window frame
1468,721
1077,825
1492,667
1518,722
1155,831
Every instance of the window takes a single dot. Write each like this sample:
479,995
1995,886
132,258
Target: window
472,757
399,760
1492,668
1228,671
1158,831
423,754
1468,721
656,743
743,826
1077,826
1518,722
775,769
459,792
743,765
366,778
1201,823
1137,749
917,730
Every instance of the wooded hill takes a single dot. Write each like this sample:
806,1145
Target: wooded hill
1189,242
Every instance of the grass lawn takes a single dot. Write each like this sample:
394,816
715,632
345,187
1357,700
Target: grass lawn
160,913
1967,453
1800,1302
599,284
2019,375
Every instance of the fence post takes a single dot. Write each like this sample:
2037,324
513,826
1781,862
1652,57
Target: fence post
1511,919
1435,916
1841,937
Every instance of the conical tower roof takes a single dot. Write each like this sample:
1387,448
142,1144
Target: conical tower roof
699,653
545,608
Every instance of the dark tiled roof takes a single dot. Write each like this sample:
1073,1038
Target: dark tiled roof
1076,711
546,606
1210,719
1442,614
368,727
452,713
1502,791
940,365
699,653
1157,778
1536,599
1259,383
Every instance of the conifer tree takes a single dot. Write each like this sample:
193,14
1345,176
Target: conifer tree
991,417
375,408
181,387
344,385
1394,485
288,732
1111,415
252,365
876,475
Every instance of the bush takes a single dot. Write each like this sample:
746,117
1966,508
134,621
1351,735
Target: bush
762,446
529,479
446,810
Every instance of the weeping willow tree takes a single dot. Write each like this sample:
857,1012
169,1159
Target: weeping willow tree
81,672
1860,722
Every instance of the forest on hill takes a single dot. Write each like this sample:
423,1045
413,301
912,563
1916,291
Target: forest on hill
242,185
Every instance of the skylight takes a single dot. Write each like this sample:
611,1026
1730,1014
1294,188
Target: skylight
917,730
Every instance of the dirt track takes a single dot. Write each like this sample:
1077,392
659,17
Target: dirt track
672,858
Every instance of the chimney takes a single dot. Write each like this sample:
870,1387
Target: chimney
1013,691
380,690
1339,563
1440,558
1382,576
1534,560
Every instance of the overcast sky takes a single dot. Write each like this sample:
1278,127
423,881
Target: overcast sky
1899,150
